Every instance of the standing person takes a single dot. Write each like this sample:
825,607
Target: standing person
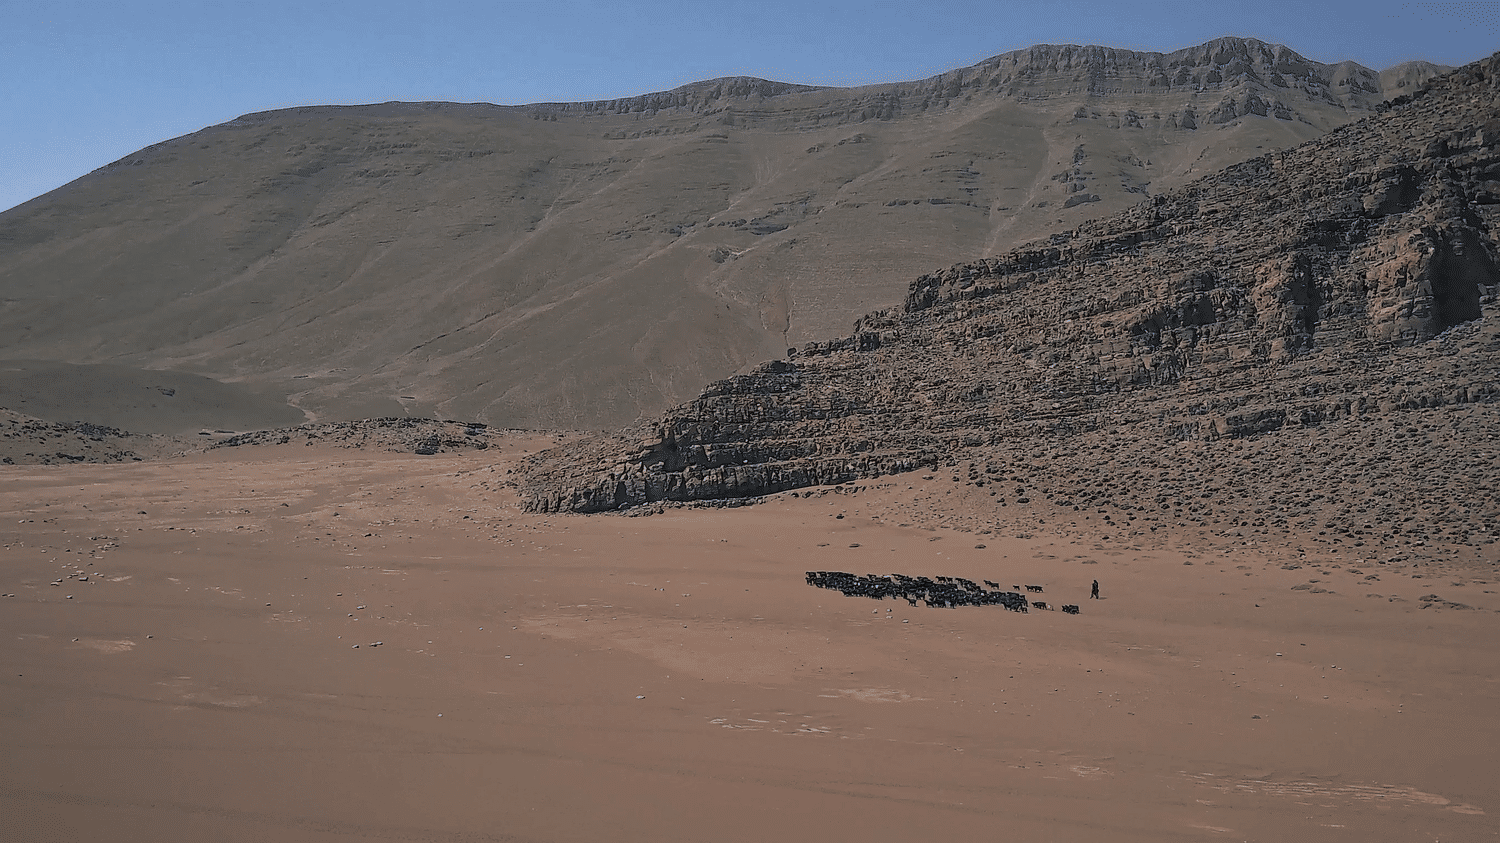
1094,595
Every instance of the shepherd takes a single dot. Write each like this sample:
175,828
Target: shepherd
1094,595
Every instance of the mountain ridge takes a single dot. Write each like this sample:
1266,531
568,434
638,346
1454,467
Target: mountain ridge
565,267
1223,51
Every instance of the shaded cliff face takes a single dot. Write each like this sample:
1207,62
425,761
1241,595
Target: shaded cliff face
1300,326
583,264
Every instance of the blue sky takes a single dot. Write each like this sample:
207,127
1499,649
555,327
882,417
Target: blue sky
85,83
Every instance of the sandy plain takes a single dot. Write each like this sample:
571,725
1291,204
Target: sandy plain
308,644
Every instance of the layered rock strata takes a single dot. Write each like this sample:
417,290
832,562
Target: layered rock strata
1249,77
1348,284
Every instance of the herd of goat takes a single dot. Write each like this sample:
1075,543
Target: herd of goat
940,592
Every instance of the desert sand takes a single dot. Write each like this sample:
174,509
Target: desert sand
302,643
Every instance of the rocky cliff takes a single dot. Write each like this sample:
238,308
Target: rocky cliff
1316,328
1243,76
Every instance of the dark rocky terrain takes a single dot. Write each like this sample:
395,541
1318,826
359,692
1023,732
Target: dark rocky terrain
1302,344
396,434
580,265
25,440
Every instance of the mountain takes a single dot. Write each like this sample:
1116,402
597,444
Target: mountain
1307,340
585,264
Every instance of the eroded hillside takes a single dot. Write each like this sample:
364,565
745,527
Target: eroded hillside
580,265
1309,337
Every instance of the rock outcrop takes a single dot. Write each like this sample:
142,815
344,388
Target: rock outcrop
1250,77
426,437
25,440
1341,286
